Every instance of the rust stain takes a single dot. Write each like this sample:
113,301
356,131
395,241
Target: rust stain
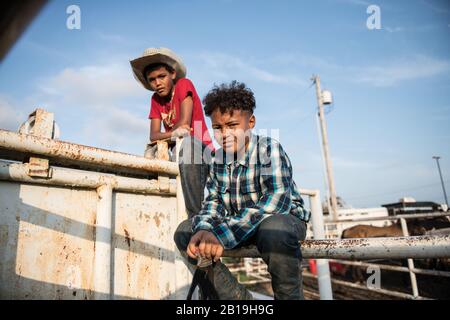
167,289
157,220
94,229
127,237
145,216
88,154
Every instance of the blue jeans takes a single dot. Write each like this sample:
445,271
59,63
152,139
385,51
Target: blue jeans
276,239
194,162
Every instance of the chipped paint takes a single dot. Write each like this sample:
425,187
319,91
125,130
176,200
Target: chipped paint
82,154
418,247
51,244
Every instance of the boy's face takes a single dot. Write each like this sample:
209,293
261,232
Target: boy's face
161,81
232,129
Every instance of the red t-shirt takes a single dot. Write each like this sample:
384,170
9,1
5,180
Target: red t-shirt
169,112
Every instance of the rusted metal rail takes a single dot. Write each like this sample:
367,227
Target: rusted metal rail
30,144
420,247
437,273
85,179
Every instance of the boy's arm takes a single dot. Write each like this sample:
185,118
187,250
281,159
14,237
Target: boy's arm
276,174
187,105
213,211
184,123
155,130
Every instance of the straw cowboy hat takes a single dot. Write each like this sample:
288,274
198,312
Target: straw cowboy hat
156,55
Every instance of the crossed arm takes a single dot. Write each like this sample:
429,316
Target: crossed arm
182,127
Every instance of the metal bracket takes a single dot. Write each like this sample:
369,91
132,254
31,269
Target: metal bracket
40,123
39,167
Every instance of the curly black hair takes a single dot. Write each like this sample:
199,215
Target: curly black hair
234,96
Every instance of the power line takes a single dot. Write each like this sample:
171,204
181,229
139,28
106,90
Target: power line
301,95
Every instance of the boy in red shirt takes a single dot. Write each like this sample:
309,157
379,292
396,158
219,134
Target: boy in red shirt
176,105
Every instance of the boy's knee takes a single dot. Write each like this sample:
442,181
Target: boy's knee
183,234
279,232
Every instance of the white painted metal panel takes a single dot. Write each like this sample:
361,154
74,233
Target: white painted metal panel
48,245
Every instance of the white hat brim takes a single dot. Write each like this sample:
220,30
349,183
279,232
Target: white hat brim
138,66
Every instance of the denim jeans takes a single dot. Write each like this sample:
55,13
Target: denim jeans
194,160
276,239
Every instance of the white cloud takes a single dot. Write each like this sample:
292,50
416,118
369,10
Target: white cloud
417,28
119,130
224,67
100,105
115,38
437,8
96,84
393,30
380,73
44,50
406,69
340,162
10,116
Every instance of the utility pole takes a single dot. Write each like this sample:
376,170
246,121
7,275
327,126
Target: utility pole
326,152
442,180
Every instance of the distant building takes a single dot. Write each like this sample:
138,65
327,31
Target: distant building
410,206
347,212
406,205
334,230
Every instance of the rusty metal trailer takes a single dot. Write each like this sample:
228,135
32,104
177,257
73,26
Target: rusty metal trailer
78,222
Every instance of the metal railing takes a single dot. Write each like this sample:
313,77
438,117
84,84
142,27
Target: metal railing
71,152
37,148
407,247
319,248
411,268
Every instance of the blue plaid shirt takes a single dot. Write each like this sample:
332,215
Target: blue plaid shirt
244,192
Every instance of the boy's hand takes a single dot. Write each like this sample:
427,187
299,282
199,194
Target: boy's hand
205,244
181,131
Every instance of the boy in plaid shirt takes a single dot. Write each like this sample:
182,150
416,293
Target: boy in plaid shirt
252,200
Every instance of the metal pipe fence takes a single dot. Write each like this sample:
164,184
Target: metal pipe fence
31,144
392,268
419,247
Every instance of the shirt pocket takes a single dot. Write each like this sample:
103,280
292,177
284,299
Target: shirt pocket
250,192
223,195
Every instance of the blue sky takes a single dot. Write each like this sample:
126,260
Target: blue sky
391,86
